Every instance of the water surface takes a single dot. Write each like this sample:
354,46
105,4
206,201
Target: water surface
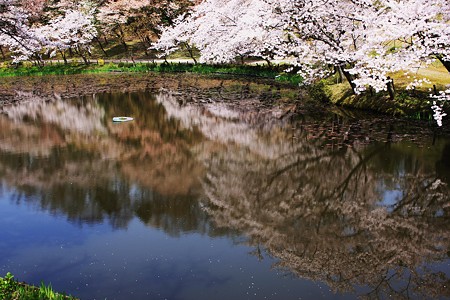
201,198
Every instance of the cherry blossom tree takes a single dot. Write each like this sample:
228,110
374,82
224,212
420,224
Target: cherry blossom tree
403,36
225,30
113,16
15,32
74,30
364,40
407,36
422,27
146,22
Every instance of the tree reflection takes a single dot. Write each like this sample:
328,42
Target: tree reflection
328,205
315,193
71,158
332,215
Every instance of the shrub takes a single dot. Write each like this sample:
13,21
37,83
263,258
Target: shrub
11,289
7,286
317,91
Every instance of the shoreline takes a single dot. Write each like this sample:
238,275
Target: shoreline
406,105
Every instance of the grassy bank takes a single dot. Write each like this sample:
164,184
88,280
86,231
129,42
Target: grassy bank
409,103
51,68
11,289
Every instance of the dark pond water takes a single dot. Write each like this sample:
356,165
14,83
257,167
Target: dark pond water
198,198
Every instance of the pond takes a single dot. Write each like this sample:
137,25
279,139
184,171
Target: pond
219,188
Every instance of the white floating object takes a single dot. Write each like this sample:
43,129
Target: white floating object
122,119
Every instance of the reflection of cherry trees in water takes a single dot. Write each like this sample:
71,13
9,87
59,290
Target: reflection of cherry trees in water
316,193
324,202
67,157
325,215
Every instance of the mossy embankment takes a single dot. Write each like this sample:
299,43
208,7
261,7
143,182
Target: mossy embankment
407,103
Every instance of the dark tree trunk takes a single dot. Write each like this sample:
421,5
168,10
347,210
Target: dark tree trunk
38,61
191,52
83,55
86,61
350,79
446,63
121,35
3,53
63,55
242,59
125,46
338,70
147,44
118,32
101,46
390,88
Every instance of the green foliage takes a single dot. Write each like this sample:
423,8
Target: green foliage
7,286
10,289
258,71
294,79
318,92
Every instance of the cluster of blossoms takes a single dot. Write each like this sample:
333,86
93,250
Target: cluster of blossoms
417,82
439,100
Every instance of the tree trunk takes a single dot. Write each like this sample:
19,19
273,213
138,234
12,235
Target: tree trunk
86,61
340,73
101,46
191,52
83,55
350,79
242,59
121,35
390,88
125,46
446,63
63,55
3,53
38,61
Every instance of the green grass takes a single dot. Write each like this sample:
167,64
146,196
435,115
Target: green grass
11,289
259,71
